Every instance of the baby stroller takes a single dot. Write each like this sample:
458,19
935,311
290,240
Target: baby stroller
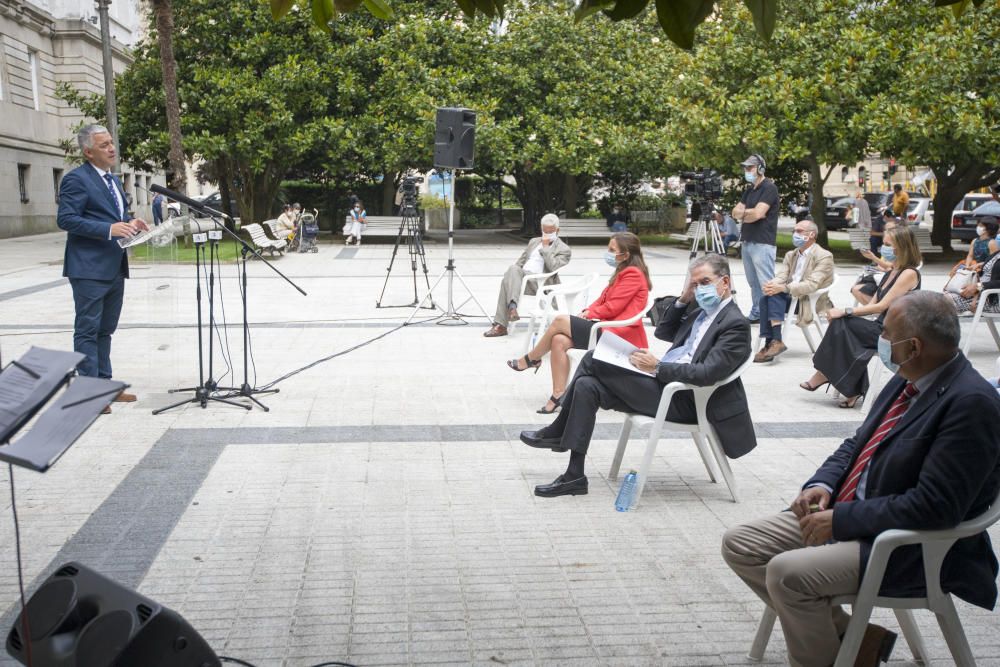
307,231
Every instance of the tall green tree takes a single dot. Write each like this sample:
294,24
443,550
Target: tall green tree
559,103
257,96
943,106
800,101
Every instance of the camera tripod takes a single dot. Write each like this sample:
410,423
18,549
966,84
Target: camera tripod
409,225
706,234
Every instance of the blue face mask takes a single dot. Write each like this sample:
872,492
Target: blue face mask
707,297
885,353
609,258
798,240
750,176
887,253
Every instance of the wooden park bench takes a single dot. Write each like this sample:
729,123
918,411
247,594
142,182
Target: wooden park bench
382,225
577,228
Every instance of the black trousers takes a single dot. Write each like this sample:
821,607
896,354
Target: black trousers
600,386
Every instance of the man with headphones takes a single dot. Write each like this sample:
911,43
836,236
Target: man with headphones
758,211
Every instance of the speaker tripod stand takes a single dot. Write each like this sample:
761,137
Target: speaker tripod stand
450,315
409,227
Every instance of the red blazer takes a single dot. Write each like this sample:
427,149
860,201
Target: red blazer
628,295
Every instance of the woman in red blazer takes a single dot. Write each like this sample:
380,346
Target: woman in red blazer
626,295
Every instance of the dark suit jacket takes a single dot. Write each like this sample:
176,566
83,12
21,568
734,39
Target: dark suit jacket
723,348
939,465
86,212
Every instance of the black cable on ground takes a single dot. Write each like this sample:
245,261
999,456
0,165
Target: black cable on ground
237,661
25,626
341,353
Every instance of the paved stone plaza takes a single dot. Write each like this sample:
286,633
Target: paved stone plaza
382,511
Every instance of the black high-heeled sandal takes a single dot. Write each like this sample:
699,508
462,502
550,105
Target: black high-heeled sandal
556,404
850,402
536,364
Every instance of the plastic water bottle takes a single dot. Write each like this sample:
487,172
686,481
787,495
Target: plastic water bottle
626,494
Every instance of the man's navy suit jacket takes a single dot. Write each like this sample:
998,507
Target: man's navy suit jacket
939,466
87,211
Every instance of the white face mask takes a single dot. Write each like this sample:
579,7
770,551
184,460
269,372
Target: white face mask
980,231
549,236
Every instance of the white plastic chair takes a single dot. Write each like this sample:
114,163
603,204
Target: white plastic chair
559,299
703,433
527,305
876,380
575,355
814,297
991,319
935,545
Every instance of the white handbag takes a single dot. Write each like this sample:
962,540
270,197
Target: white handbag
962,279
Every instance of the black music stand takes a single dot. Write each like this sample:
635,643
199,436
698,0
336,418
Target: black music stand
27,386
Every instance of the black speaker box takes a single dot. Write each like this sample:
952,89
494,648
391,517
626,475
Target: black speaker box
454,138
79,618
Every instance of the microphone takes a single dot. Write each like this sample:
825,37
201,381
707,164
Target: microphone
191,203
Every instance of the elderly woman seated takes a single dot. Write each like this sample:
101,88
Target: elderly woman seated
626,295
851,340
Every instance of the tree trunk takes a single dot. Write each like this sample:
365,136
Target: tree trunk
570,196
164,12
818,207
952,185
539,193
390,181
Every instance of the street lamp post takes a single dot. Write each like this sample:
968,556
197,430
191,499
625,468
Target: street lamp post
110,106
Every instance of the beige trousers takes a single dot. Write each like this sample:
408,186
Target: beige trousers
510,290
797,582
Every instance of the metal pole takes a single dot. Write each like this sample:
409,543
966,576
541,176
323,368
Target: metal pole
110,105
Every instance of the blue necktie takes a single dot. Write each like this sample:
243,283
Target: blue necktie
114,193
676,353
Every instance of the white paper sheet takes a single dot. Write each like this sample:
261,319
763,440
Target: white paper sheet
615,350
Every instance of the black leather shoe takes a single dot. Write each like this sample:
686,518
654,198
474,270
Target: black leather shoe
560,487
532,439
876,646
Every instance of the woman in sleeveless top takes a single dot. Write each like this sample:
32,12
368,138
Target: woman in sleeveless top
851,340
968,299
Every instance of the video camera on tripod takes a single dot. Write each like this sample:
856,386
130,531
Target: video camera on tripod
408,189
703,186
704,189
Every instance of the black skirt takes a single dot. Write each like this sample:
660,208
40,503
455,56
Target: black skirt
843,355
579,331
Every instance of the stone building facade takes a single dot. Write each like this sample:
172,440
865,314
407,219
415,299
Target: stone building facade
43,43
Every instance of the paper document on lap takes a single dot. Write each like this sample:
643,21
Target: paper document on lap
615,350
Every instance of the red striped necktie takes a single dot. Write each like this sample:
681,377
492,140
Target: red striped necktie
849,489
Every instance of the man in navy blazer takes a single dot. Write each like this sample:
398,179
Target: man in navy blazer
94,213
711,339
926,458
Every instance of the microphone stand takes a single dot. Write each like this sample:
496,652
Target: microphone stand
202,393
245,390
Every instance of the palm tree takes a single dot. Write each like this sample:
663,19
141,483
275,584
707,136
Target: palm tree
163,12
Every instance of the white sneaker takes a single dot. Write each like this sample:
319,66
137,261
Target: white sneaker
347,241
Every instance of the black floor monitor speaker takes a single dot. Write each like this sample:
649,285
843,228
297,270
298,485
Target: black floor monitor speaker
79,618
454,138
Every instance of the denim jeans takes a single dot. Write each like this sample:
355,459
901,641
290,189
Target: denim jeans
758,264
773,308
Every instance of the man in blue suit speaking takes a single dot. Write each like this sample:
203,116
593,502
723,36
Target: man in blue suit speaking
94,213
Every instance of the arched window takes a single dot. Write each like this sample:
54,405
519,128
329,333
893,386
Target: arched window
845,173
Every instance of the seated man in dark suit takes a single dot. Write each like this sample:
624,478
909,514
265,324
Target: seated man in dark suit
926,458
94,213
711,339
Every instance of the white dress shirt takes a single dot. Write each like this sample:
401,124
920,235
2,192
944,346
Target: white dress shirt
698,329
118,195
800,264
535,262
